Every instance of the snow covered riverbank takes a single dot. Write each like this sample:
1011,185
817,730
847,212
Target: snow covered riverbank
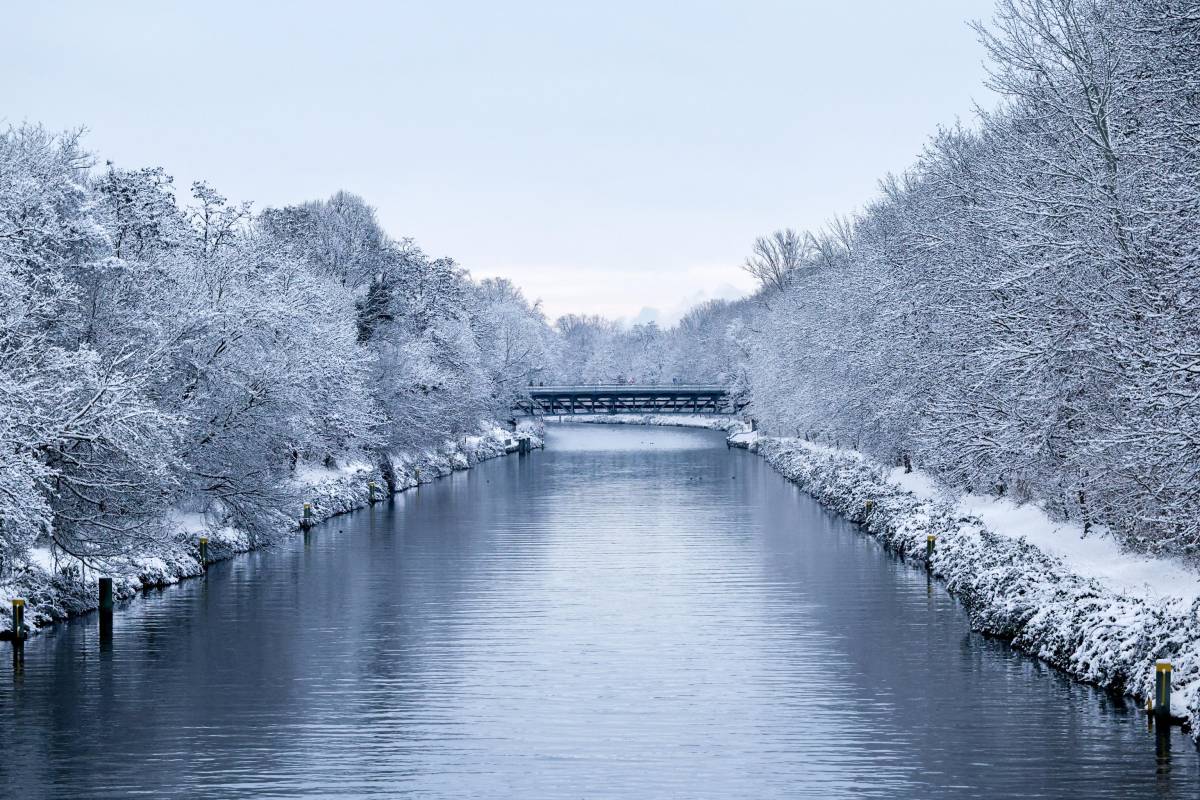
55,588
1079,603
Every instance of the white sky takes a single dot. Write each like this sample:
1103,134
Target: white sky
607,156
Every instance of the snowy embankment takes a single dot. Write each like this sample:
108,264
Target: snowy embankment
716,422
55,587
1080,603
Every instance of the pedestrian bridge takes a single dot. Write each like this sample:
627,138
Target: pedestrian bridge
629,399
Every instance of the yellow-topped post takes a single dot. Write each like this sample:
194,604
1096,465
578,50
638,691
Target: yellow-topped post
306,520
204,552
18,618
930,542
1162,689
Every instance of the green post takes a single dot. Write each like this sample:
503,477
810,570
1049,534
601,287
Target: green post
930,541
204,551
1162,690
870,506
370,491
18,618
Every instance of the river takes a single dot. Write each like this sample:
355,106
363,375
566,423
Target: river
631,613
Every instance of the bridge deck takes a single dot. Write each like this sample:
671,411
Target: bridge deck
630,399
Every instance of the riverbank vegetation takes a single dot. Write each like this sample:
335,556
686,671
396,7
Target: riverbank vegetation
160,358
1016,313
1019,312
1102,617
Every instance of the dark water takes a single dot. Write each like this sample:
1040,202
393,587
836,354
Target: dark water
633,613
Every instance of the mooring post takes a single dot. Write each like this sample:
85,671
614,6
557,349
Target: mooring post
306,520
930,541
106,595
870,506
417,473
1162,690
106,608
18,619
370,491
204,552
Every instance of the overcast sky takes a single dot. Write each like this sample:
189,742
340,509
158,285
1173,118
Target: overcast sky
607,156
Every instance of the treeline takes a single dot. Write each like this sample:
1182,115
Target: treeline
699,349
1017,313
1020,311
158,356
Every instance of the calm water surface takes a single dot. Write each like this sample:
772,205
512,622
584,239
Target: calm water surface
633,613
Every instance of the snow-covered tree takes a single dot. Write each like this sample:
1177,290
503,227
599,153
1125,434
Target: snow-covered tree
1017,311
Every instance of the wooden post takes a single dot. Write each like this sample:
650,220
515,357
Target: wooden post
1162,690
18,619
371,491
870,506
306,520
930,541
106,608
204,552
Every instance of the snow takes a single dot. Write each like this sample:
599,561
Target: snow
189,522
308,474
1101,614
55,591
920,484
744,438
41,557
1097,555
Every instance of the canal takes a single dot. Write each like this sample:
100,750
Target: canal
632,613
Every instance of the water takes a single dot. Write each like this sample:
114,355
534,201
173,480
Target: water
633,613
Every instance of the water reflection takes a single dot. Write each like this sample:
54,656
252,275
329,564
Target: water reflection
631,613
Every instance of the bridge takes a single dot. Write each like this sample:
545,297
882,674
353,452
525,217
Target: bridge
629,399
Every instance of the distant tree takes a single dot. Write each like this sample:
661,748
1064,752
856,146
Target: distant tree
776,258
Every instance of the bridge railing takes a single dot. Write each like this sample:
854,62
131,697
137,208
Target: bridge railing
629,387
615,398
